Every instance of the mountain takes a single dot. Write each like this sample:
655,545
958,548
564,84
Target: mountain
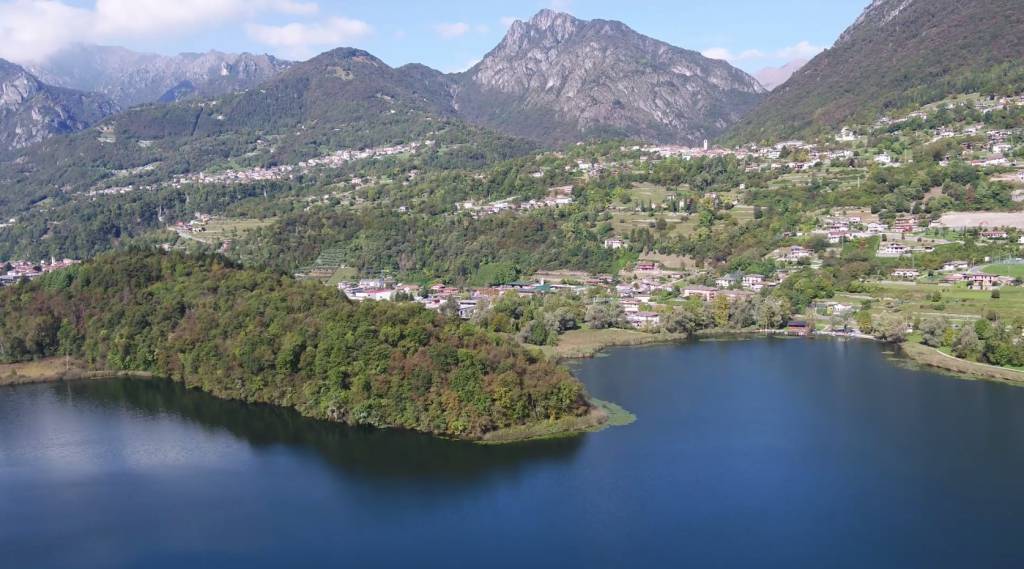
341,99
32,111
899,54
557,79
772,77
131,78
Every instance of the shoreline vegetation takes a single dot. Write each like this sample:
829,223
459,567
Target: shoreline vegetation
55,369
263,337
964,369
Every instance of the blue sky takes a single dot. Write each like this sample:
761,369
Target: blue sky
449,35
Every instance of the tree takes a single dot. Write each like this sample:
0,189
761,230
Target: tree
933,331
967,344
891,328
682,320
865,323
773,313
602,315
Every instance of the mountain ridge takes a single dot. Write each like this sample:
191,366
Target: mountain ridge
32,111
558,78
898,54
132,78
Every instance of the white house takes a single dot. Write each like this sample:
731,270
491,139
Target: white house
909,274
892,250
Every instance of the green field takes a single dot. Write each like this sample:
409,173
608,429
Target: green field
1009,270
956,303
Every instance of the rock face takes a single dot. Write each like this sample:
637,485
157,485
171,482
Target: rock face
31,111
131,78
898,55
558,79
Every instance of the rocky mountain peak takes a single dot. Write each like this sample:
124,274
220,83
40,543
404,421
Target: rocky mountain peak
557,73
31,111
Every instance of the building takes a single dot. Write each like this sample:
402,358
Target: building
614,243
707,294
729,280
644,319
892,250
905,225
909,274
753,281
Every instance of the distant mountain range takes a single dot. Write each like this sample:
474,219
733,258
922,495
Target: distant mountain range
772,77
32,111
131,78
899,54
553,79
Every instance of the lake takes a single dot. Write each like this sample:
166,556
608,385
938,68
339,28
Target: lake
766,453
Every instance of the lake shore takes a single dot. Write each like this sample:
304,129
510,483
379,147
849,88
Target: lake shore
603,415
932,357
50,370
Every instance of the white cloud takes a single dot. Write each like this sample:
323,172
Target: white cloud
32,30
297,8
802,50
452,30
298,40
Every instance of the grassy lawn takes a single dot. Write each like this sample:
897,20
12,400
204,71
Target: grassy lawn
649,192
912,299
219,230
678,223
585,343
1015,271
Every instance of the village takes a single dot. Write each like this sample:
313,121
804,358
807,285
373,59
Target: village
18,271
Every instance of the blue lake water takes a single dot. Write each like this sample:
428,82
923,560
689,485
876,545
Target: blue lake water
767,453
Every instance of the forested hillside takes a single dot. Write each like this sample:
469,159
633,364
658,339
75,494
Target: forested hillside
899,54
262,337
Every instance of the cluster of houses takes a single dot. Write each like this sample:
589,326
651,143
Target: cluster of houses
195,225
20,270
285,171
557,197
838,229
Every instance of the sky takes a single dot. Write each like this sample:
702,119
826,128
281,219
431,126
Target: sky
450,35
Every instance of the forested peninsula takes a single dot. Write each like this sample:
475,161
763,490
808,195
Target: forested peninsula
264,337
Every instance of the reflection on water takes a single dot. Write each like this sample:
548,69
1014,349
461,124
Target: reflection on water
368,452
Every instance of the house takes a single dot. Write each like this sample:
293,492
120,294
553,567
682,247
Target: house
909,274
706,294
646,266
996,234
955,266
905,225
798,328
982,281
753,281
795,253
614,243
884,159
729,280
467,308
892,250
644,319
